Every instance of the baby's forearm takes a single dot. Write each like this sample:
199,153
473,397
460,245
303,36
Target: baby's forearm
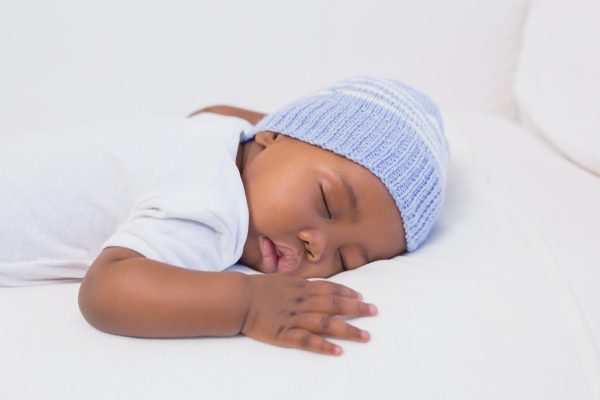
146,298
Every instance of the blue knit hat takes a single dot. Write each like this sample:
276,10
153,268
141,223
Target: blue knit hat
387,127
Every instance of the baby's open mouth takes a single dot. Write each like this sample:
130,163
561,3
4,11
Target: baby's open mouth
275,258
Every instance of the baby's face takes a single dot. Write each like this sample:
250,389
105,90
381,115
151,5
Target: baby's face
298,201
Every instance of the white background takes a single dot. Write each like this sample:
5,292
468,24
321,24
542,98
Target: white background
65,62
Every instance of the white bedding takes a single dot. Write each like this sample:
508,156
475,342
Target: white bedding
556,196
482,311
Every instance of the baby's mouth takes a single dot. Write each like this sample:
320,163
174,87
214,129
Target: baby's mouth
270,255
275,259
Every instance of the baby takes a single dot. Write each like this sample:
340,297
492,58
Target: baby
150,214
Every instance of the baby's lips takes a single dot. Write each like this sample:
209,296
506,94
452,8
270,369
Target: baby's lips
288,259
269,256
286,264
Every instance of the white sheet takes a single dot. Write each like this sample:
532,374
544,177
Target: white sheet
559,199
480,312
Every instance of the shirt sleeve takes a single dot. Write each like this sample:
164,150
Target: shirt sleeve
162,229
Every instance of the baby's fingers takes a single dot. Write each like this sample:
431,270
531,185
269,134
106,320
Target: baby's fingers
306,340
335,327
332,288
336,305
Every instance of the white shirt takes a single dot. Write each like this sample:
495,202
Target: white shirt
168,188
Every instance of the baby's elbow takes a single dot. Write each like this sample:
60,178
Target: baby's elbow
90,303
96,302
99,300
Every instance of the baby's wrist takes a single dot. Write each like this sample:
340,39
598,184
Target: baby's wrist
247,294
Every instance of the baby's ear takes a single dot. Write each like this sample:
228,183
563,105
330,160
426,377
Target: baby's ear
266,138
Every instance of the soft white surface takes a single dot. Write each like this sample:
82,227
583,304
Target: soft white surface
557,86
66,61
481,312
556,196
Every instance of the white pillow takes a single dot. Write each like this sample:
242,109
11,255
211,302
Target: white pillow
557,86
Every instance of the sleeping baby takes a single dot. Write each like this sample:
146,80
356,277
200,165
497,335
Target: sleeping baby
150,213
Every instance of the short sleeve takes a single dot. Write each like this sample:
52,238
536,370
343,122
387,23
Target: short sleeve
168,231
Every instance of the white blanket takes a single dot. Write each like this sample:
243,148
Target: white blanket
479,312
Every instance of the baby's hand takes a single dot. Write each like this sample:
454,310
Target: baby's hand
294,312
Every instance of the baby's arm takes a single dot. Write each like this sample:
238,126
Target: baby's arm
251,116
125,293
128,294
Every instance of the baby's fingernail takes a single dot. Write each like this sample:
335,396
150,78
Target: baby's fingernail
372,309
364,335
337,350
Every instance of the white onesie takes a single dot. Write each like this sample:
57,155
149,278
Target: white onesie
168,188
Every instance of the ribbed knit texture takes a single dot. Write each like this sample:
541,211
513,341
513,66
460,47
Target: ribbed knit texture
384,125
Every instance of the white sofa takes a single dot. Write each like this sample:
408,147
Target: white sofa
500,303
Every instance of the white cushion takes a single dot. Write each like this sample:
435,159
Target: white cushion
557,86
75,62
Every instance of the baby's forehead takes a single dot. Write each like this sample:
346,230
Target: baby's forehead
316,154
327,160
